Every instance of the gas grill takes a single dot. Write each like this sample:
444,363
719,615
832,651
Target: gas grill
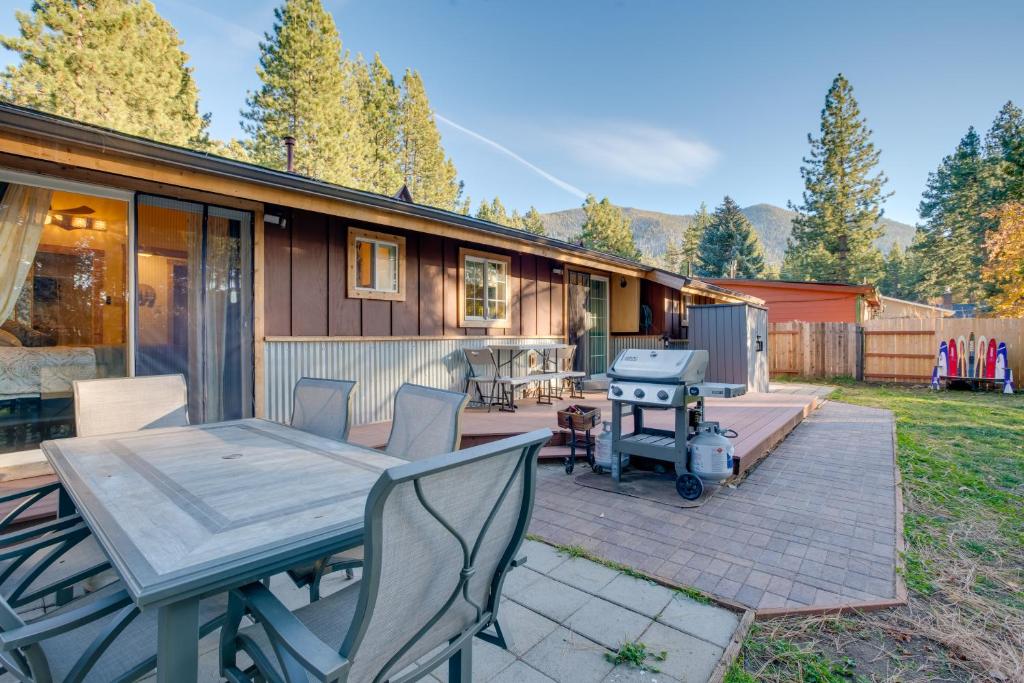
661,379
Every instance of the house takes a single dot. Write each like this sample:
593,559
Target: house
809,301
124,256
900,308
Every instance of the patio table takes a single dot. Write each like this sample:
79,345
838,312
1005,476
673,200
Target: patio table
187,512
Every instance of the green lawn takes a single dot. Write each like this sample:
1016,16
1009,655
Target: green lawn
961,456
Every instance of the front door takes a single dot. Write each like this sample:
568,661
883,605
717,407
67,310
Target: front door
588,321
597,326
194,302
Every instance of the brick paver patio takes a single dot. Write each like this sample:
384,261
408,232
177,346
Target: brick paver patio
813,526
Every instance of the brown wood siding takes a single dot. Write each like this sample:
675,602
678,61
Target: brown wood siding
309,274
277,293
666,309
306,266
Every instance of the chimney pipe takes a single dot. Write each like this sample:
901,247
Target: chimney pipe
947,299
289,146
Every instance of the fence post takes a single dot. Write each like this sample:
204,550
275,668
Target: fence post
860,353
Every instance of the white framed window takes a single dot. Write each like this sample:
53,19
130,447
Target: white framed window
484,289
376,264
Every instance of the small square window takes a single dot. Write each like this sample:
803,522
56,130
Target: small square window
375,270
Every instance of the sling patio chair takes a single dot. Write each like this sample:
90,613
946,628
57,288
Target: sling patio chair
70,556
127,404
441,535
426,422
98,638
492,388
571,379
322,407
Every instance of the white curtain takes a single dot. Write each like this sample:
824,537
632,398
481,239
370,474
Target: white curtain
22,214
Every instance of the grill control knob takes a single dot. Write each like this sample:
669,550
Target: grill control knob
639,393
617,390
663,395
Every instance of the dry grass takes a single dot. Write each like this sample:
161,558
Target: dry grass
962,461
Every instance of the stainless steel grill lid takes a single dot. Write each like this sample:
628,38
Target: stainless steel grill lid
662,366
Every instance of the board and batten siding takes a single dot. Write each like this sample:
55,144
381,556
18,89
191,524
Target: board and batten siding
729,334
305,286
379,366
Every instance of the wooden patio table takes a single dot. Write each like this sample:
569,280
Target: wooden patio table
187,512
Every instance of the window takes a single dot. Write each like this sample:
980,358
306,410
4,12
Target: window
375,269
63,301
484,289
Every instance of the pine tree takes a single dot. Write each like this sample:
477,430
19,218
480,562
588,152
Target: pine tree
730,247
308,92
838,222
494,212
429,174
950,246
116,63
607,229
895,280
381,99
690,251
1004,157
532,222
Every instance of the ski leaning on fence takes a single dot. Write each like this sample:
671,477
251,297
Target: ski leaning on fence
974,361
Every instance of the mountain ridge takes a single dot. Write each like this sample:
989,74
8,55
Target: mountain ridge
653,230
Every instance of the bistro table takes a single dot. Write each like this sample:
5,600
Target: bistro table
187,512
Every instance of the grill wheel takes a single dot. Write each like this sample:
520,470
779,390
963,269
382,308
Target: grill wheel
689,486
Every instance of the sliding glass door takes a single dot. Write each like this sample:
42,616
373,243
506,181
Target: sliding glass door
194,302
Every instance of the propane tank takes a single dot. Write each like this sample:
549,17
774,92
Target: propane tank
603,450
711,452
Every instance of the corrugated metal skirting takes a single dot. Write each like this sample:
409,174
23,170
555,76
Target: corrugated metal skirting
634,341
378,367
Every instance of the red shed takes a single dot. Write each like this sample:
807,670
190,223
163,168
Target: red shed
821,302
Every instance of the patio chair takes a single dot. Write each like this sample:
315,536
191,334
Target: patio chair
127,404
322,407
426,422
484,374
98,638
547,375
63,555
573,379
441,535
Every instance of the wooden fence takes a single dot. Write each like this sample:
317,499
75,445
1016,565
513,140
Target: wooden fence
892,350
814,349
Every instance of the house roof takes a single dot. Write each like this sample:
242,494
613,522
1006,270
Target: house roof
948,312
869,292
23,120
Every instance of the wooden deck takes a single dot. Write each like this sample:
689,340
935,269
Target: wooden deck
762,420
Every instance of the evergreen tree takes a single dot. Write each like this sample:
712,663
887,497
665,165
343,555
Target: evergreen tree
690,251
116,63
607,229
950,246
532,222
730,247
1004,157
896,280
429,174
381,99
838,222
308,92
494,212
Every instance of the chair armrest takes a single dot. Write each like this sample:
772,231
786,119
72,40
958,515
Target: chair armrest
289,633
48,627
41,491
39,530
23,549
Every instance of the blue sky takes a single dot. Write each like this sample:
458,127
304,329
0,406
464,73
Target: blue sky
658,105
